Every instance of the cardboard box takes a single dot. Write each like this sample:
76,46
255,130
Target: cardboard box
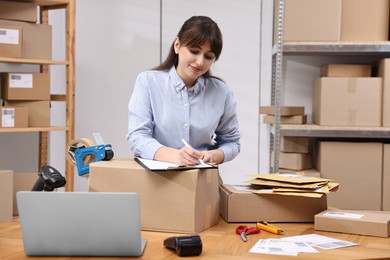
25,86
18,11
11,41
292,144
346,70
36,39
354,222
291,120
13,117
38,111
6,186
384,72
347,101
239,204
171,201
386,178
284,111
294,161
311,20
22,182
357,166
364,20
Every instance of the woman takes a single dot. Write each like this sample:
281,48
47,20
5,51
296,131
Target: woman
180,103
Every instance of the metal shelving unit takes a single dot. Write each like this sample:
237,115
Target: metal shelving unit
281,49
277,64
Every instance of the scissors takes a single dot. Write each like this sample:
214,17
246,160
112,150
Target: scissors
243,231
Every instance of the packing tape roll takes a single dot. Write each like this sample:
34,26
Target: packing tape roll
77,144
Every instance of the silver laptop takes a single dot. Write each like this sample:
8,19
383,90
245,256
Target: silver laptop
80,223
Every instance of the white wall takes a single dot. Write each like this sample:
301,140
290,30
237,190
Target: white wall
115,40
110,52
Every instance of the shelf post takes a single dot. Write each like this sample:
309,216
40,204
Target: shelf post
278,84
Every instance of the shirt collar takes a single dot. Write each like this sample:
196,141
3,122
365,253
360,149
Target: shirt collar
178,83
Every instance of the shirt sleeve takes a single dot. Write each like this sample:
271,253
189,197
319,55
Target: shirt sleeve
140,121
227,134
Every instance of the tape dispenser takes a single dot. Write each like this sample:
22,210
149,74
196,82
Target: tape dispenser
83,151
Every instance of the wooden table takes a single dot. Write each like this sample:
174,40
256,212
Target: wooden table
220,242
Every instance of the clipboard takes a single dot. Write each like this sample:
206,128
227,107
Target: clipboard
154,165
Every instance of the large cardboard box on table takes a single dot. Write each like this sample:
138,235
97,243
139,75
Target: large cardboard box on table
18,11
25,86
171,201
36,39
347,101
357,167
6,188
239,204
354,222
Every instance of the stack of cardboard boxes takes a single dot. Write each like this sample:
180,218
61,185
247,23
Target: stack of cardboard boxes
295,154
26,96
349,95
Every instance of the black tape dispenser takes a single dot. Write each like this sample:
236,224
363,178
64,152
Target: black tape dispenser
185,245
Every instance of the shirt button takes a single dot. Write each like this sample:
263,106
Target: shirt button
186,105
185,125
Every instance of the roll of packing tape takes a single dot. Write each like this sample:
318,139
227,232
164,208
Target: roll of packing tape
77,144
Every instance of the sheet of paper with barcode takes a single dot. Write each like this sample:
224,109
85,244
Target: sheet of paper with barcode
281,247
7,117
319,241
9,36
20,80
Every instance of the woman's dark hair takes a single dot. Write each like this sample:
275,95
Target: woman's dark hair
195,32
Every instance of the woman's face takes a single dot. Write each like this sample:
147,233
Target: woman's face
194,61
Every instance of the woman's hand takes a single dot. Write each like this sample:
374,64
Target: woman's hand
183,156
212,156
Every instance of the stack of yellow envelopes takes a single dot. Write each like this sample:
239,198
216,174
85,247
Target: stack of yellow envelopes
292,184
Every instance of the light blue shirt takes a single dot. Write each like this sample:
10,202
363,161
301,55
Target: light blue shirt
162,111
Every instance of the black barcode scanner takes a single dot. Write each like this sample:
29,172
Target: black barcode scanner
49,179
185,245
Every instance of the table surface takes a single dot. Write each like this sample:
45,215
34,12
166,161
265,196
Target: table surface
221,242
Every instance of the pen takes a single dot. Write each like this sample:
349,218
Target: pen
268,227
189,146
